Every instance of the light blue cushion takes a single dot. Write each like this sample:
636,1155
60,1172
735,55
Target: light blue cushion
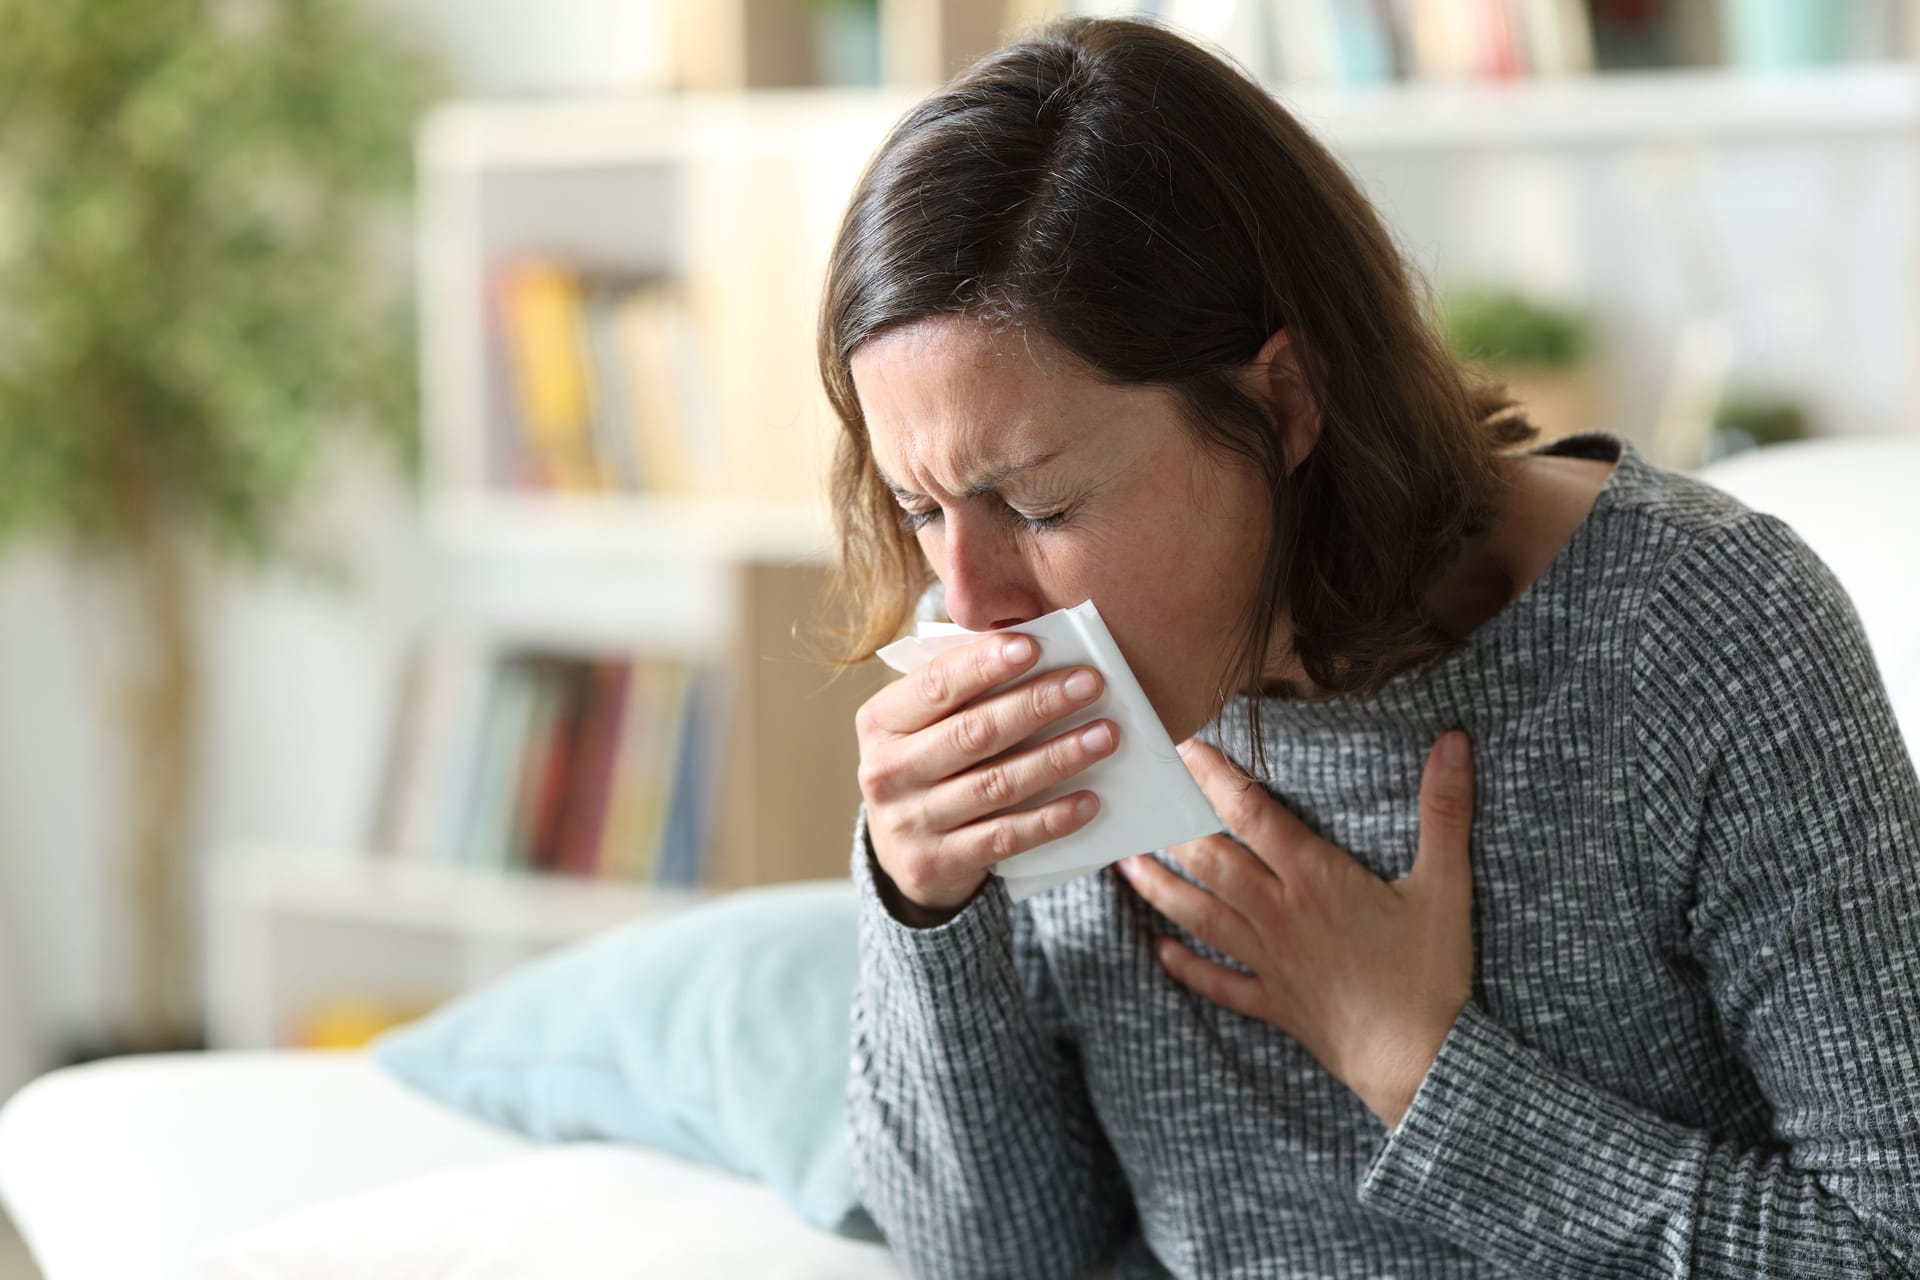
718,1033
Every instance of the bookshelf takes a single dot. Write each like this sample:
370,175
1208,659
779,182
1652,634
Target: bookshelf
711,573
731,199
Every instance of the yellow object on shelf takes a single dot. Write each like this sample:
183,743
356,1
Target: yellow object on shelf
351,1022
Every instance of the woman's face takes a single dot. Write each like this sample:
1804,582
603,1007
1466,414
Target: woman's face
1034,486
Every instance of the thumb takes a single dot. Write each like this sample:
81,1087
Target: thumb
1440,866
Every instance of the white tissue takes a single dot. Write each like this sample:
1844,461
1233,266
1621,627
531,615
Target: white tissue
1148,800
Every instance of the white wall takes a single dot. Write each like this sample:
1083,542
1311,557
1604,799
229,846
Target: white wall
297,680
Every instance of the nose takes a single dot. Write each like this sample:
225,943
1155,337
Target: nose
989,585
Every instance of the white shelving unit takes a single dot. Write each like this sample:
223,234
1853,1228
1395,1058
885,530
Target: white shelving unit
1614,108
739,195
427,930
679,187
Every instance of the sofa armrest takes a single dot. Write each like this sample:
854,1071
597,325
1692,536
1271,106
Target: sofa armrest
131,1166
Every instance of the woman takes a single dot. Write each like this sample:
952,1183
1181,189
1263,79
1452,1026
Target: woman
1633,990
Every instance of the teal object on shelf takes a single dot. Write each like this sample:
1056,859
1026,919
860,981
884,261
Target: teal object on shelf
1781,35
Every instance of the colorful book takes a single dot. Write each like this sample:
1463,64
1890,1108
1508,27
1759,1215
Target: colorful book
492,797
544,326
591,791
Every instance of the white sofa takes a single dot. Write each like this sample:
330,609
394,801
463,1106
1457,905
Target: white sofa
317,1164
152,1166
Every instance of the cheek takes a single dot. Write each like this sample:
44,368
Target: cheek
1177,613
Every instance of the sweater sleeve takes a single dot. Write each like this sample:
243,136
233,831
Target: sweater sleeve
975,1145
1785,801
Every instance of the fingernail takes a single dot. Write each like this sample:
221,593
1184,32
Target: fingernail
1453,749
1016,649
1084,807
1185,748
1080,685
1098,738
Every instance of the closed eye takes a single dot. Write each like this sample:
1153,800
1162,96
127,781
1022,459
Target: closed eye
914,521
1040,524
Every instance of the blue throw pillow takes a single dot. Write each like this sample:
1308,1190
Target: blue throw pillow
718,1033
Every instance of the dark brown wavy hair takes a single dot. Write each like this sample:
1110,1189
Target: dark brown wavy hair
1151,209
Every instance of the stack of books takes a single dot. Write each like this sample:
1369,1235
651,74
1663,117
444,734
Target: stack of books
600,382
536,761
1347,44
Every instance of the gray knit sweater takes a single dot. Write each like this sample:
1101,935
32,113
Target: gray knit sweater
1693,1046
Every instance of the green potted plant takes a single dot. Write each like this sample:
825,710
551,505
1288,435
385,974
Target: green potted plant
1752,420
191,315
1543,353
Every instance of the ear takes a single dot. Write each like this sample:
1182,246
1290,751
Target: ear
1275,374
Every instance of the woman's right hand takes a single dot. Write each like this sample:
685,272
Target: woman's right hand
934,778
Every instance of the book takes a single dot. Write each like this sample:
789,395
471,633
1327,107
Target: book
544,328
492,794
430,750
612,412
684,848
649,365
589,797
1557,37
646,781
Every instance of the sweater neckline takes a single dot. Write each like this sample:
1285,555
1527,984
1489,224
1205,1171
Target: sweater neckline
1519,612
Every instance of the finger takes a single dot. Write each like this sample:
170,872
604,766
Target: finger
1010,779
937,689
1229,988
1262,823
982,844
1225,866
999,722
1440,865
1204,915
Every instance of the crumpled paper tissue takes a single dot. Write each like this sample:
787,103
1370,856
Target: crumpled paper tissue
1148,800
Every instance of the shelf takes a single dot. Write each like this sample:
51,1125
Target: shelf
580,526
1614,108
1607,108
574,133
464,902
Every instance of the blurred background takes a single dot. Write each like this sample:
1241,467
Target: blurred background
411,456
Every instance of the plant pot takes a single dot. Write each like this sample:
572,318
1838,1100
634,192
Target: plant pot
1781,35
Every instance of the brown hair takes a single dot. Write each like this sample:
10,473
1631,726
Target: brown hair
1149,208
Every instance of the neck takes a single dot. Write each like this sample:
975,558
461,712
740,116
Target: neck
1474,586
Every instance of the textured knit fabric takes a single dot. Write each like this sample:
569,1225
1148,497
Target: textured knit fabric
1693,1044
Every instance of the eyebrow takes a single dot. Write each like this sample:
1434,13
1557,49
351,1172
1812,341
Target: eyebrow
983,484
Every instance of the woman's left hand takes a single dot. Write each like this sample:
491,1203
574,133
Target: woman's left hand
1367,974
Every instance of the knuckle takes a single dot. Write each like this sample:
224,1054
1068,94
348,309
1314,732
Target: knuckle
1043,699
1002,842
970,733
913,875
1243,808
875,778
1450,805
986,663
934,685
996,787
889,822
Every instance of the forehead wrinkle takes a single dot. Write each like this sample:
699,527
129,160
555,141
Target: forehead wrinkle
983,482
985,428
